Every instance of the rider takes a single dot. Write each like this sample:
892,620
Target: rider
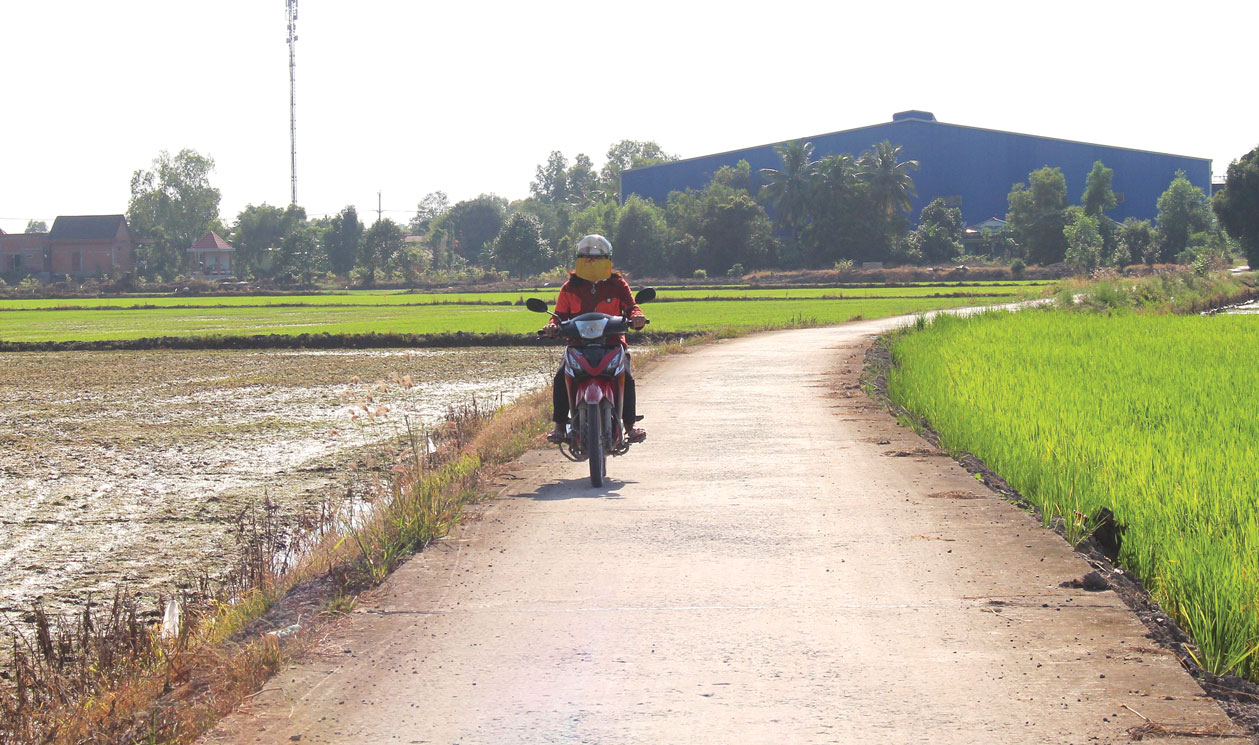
594,287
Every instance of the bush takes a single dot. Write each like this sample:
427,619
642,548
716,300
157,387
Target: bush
1017,268
700,274
736,271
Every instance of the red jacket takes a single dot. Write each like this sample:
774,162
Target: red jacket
611,296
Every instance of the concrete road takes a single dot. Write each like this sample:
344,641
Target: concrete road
778,563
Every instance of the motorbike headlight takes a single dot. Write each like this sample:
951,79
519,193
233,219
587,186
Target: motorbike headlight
591,329
570,361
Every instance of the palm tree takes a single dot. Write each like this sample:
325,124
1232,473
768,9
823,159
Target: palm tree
889,179
787,190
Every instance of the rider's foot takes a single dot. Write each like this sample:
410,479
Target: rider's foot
634,434
556,435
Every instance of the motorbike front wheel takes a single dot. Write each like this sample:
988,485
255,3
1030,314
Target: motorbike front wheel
596,444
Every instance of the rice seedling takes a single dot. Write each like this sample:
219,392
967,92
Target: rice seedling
1149,416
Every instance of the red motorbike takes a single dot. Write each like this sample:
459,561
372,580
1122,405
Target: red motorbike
595,366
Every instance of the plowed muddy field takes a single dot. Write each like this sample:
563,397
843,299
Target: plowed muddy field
131,468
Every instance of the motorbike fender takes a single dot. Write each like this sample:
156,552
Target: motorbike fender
596,390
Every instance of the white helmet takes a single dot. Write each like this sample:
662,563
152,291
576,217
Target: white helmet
594,246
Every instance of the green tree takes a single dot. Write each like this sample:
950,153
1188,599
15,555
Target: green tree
1182,211
432,206
787,189
473,224
172,205
520,249
556,220
342,239
1237,206
723,226
258,235
641,237
380,250
938,238
550,183
1084,240
599,217
1139,241
738,176
1037,216
583,183
1098,196
844,223
36,226
301,256
888,177
628,154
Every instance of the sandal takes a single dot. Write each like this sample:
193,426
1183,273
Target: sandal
555,437
634,434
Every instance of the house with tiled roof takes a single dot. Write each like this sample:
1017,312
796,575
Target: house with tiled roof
78,246
211,257
90,245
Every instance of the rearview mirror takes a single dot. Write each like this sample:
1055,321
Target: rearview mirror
645,295
536,305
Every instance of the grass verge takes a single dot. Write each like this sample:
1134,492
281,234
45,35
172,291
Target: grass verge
1125,416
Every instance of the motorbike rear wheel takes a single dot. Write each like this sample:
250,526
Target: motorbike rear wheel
596,445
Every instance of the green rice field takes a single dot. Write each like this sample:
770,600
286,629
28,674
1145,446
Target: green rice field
363,313
1153,417
403,298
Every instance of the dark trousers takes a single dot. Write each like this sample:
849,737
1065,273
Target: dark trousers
559,400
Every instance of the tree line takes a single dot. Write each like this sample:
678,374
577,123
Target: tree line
838,210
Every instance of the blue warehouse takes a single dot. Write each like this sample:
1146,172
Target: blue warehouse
969,167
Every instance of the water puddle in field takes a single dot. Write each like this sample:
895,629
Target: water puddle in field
133,467
1245,309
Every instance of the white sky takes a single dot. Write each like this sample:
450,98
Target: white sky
468,97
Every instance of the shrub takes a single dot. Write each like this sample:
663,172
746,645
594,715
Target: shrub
1017,268
700,274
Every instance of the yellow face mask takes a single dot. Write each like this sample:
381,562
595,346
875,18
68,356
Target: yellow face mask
594,268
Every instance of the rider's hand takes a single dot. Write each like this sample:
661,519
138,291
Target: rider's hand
638,322
550,331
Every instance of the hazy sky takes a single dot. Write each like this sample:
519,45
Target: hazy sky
468,97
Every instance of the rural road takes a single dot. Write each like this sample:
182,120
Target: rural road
778,563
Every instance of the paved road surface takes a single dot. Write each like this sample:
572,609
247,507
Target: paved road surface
779,563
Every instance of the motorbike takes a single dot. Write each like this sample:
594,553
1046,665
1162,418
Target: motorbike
595,366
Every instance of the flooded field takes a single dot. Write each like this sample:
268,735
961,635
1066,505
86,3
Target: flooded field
131,467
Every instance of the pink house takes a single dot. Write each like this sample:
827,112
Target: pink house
211,257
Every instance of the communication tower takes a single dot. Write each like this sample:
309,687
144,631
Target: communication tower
290,12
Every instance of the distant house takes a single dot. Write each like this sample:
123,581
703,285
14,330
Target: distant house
211,257
78,245
22,253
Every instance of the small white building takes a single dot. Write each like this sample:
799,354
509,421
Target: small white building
211,257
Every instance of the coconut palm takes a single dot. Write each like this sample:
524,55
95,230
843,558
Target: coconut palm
787,190
888,177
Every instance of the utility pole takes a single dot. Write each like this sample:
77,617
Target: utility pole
290,11
378,209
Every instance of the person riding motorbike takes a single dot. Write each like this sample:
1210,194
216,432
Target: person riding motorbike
593,287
